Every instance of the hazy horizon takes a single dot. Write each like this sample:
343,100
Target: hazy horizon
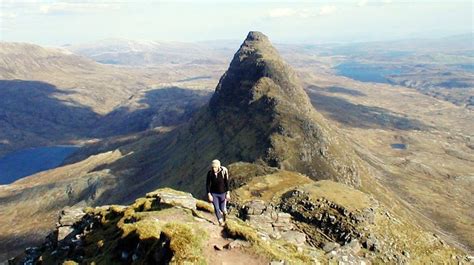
57,23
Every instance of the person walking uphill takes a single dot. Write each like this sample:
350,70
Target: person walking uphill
217,186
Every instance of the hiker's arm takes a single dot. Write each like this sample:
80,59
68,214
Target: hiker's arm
226,183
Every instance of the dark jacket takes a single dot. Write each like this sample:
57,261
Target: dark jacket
217,183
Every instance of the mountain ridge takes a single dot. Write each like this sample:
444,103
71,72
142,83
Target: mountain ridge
280,216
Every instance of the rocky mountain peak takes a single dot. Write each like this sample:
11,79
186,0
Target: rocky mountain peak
260,105
256,36
257,72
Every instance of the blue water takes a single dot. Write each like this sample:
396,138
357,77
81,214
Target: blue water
398,146
365,72
467,67
19,164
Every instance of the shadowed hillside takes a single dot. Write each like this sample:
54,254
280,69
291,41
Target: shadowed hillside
51,97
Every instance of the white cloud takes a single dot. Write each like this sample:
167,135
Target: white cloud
327,10
4,15
301,12
362,2
74,7
282,12
4,29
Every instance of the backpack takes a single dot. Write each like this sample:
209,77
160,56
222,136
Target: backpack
225,172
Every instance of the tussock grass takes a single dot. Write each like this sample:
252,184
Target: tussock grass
204,206
185,243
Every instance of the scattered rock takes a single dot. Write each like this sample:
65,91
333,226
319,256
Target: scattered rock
217,247
255,207
237,244
372,243
354,246
330,246
294,237
266,219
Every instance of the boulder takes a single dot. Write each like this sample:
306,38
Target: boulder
255,207
70,215
294,237
173,197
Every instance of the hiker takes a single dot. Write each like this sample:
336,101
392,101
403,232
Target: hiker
217,186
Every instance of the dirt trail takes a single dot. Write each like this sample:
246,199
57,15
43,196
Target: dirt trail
225,256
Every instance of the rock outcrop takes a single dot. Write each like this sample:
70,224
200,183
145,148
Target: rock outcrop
166,226
271,223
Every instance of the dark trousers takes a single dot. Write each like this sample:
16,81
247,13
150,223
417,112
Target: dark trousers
219,201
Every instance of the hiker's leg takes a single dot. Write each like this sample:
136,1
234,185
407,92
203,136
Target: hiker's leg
216,203
223,204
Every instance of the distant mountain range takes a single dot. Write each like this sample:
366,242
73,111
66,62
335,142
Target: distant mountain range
50,96
153,126
149,53
433,66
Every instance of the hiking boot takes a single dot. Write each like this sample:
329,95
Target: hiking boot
221,222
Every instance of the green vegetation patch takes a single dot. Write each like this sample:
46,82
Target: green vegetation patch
185,243
204,206
270,187
339,193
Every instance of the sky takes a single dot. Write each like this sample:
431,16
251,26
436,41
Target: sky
75,22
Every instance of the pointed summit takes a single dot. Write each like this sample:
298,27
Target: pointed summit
256,36
257,70
263,113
